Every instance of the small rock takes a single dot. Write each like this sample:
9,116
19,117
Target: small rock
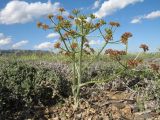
143,115
115,112
127,112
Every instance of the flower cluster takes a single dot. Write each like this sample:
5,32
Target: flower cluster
115,24
65,24
112,52
74,45
50,16
109,35
144,47
57,45
43,26
125,36
133,63
75,12
71,17
115,53
61,9
92,16
60,18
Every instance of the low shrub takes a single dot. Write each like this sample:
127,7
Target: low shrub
24,86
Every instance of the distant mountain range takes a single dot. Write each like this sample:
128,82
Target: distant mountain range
22,51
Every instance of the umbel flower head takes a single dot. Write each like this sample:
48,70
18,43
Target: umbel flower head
92,16
114,53
74,45
115,24
50,16
60,18
57,45
75,12
125,36
144,47
61,9
109,35
39,24
133,63
71,17
45,27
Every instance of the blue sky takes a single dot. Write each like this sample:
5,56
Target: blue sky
18,21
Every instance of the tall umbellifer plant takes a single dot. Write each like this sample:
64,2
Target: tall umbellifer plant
74,31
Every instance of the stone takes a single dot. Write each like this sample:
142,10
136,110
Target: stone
127,112
143,115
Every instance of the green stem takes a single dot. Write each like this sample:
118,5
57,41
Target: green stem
127,47
80,68
63,41
101,81
74,75
126,51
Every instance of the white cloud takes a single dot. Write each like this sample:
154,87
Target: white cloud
96,4
52,35
23,12
136,20
4,40
95,42
111,6
44,45
19,44
152,15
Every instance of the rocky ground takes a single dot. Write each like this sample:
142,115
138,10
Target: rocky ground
136,98
102,102
120,99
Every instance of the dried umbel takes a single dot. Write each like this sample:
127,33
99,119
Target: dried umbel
112,52
75,12
115,24
115,54
97,25
67,53
60,18
50,16
65,24
92,16
109,35
61,9
72,32
45,27
125,36
133,63
102,22
71,17
88,26
77,21
82,17
144,47
155,67
57,45
74,45
39,24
